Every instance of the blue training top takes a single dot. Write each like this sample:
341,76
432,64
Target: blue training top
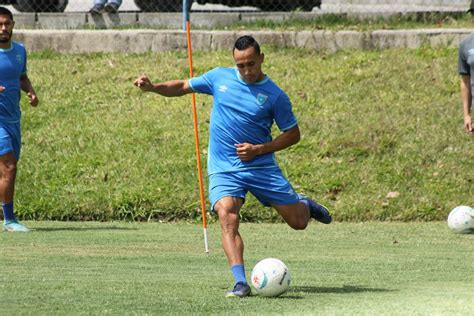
12,67
242,113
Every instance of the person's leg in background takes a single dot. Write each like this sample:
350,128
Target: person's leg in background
98,7
112,6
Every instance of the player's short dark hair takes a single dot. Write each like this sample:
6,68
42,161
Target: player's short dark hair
5,11
246,41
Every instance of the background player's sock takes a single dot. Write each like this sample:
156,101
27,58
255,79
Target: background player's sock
8,214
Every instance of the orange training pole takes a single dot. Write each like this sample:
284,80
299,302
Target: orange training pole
196,139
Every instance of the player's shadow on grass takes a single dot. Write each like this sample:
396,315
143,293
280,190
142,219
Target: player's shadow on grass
337,290
54,229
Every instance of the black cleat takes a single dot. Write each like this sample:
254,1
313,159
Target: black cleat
317,211
240,290
96,9
111,8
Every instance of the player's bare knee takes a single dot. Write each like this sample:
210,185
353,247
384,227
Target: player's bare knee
299,224
228,219
9,169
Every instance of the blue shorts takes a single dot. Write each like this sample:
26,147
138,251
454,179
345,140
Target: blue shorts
269,186
10,139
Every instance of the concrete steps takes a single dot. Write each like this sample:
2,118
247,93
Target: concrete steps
139,41
388,6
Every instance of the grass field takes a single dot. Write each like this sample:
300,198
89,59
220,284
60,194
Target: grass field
382,136
338,22
334,22
152,268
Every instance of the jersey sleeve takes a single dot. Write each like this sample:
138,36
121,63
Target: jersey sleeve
21,53
25,68
283,113
204,83
463,66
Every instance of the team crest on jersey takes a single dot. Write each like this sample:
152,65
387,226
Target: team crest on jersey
470,52
261,99
19,59
223,88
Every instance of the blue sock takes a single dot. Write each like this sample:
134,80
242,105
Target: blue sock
238,270
306,201
313,212
8,212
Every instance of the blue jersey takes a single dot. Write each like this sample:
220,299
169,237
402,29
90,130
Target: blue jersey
12,67
242,113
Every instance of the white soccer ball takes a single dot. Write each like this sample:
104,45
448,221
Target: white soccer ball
461,219
270,277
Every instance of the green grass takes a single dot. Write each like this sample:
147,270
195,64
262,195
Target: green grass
372,122
152,268
343,22
334,22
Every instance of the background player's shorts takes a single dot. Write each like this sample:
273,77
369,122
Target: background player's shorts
10,139
268,185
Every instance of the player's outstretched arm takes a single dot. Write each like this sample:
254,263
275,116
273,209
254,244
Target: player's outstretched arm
173,88
466,98
27,87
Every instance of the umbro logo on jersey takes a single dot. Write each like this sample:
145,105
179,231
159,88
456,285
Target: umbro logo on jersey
470,52
261,99
223,88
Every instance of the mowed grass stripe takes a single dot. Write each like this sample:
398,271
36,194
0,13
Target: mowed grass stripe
152,268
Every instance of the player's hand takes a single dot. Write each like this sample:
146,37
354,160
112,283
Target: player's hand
246,151
32,99
468,125
2,88
144,83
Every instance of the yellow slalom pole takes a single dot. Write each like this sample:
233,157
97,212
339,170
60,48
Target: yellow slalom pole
196,139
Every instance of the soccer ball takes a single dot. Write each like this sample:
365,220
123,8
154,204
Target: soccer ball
461,220
270,277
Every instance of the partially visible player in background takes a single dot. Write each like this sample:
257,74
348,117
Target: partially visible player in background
246,102
465,68
108,6
13,79
471,10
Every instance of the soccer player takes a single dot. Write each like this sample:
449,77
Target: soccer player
465,67
13,78
109,6
471,10
241,157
